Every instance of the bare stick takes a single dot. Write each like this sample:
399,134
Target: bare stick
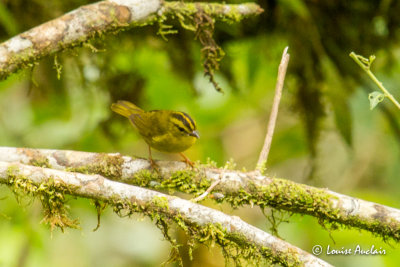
262,160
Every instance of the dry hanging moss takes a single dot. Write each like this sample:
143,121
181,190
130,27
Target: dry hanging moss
211,52
51,196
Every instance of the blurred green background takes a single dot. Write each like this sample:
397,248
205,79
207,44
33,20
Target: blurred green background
325,136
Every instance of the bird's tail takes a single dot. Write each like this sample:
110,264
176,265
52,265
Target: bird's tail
125,108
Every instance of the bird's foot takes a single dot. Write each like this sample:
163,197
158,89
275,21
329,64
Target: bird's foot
187,161
154,166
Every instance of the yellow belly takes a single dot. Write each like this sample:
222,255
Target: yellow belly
170,144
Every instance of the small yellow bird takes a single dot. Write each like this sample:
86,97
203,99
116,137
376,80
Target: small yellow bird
165,130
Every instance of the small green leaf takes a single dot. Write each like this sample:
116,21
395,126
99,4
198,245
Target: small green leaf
364,60
371,59
375,98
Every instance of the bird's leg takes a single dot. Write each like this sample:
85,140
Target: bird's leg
186,160
153,164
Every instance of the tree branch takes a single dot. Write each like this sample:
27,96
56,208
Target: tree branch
86,22
238,188
191,217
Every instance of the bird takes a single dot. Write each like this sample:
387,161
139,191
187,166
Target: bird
164,130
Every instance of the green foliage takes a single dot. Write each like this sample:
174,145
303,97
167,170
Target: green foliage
8,21
337,92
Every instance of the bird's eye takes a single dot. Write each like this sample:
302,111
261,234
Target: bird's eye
181,129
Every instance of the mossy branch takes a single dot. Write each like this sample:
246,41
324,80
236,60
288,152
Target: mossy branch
237,188
85,23
224,12
203,224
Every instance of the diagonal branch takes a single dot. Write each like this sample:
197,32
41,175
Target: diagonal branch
86,22
238,188
190,216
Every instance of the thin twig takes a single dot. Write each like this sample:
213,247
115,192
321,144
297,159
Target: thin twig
208,191
365,64
262,160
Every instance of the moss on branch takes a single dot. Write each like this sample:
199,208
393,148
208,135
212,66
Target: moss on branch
89,22
52,196
276,193
237,188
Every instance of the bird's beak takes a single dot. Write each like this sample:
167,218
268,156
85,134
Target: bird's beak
195,134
